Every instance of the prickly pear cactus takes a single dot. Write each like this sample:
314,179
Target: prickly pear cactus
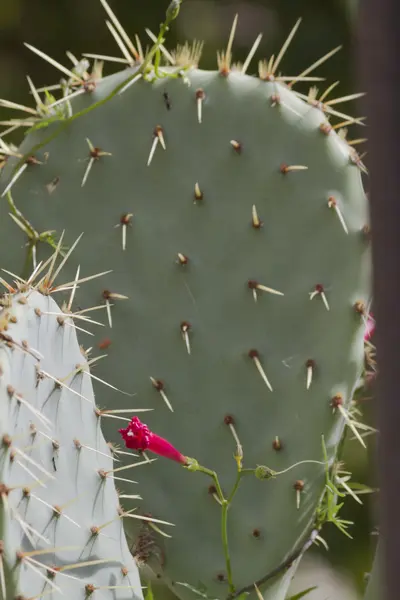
233,217
61,526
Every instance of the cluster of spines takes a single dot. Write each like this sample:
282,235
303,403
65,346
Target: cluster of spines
22,293
125,220
80,80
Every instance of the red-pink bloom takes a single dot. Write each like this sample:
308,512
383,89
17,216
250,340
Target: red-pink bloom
370,327
137,436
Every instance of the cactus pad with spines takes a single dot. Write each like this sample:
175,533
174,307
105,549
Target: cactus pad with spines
243,260
60,529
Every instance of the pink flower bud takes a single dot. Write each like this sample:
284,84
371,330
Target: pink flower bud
370,328
137,436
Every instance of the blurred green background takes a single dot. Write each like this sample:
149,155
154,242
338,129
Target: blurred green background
57,26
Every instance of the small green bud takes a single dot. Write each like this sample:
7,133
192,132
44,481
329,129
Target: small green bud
263,472
173,10
191,464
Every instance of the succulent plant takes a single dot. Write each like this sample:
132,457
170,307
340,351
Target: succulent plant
61,530
233,217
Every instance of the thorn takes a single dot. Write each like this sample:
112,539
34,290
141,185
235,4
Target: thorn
344,98
285,47
251,53
95,153
131,466
159,385
200,95
358,141
125,220
319,290
185,328
337,403
258,593
60,383
30,563
314,65
55,64
254,355
149,519
299,487
72,296
230,421
116,59
15,178
85,372
289,168
130,83
158,138
182,259
120,43
46,422
237,146
121,30
333,204
64,260
107,296
257,224
225,58
32,462
277,444
358,121
356,160
310,365
198,194
68,97
254,286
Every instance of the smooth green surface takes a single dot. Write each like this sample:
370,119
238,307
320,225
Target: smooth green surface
60,476
301,244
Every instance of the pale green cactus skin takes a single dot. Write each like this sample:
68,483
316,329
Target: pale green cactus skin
302,243
41,466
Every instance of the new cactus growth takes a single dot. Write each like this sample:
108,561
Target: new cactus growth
232,216
61,531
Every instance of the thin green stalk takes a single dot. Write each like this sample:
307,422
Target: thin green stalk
225,544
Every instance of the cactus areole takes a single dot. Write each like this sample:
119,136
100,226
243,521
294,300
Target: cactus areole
228,217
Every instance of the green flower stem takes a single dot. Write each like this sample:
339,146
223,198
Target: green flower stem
192,465
225,544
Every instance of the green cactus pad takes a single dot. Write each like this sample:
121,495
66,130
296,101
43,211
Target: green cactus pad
262,193
60,529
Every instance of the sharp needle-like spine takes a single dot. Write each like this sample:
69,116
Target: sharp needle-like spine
158,137
200,95
310,368
120,29
319,291
185,328
332,203
285,47
256,359
251,53
159,386
15,178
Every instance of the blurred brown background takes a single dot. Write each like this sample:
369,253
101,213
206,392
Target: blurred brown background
55,26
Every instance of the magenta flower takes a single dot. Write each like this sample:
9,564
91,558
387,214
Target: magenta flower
370,327
137,436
